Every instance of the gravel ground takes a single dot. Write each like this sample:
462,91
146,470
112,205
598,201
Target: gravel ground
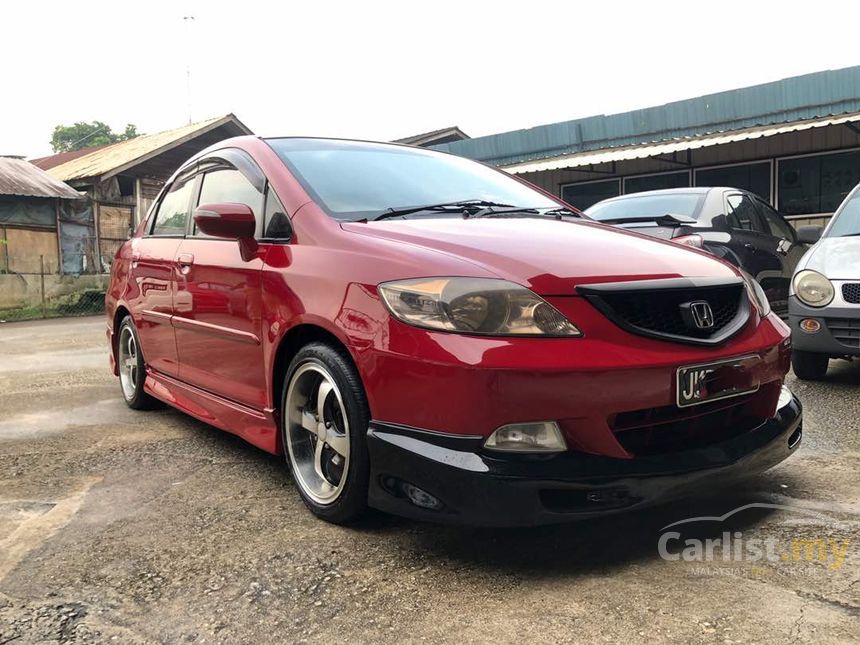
141,527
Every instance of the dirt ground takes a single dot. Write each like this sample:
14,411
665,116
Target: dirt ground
140,527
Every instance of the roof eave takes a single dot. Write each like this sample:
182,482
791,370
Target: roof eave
230,118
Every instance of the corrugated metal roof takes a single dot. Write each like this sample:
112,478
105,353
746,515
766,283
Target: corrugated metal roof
19,177
425,138
112,159
799,98
657,149
62,157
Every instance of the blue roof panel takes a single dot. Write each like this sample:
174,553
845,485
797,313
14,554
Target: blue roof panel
791,99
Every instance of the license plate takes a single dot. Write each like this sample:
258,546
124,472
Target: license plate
697,384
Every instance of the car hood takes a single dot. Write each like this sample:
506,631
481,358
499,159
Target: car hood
549,256
834,257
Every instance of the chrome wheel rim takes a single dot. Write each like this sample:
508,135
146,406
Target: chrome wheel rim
317,433
127,363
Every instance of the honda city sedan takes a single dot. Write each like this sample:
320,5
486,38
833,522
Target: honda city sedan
429,336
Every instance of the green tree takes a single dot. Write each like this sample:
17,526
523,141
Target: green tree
85,135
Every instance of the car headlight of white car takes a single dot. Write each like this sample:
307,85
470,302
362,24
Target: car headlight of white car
813,289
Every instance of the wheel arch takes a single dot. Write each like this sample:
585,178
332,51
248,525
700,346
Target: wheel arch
290,343
120,312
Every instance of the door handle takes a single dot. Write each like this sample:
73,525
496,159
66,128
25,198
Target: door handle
185,260
135,257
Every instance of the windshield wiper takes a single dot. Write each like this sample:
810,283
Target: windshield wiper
561,211
554,213
669,219
463,206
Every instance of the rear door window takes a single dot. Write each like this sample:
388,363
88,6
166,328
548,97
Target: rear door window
742,213
777,226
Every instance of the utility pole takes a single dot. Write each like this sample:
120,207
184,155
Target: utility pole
187,20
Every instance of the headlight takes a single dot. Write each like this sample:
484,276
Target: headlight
759,297
474,306
813,289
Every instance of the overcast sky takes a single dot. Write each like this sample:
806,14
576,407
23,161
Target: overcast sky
384,70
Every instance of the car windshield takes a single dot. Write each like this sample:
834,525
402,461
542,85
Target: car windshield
647,206
847,221
356,180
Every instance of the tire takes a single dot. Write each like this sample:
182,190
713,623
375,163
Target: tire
324,438
809,366
132,371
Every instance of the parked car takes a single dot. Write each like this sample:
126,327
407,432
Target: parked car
824,306
432,337
733,224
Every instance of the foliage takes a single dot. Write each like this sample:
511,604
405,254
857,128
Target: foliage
85,135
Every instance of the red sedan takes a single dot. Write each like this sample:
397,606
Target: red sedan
427,335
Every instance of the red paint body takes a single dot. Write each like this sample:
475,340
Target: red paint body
211,322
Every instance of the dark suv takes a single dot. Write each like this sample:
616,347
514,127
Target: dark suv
731,223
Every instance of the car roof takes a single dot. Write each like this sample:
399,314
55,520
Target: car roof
337,141
697,190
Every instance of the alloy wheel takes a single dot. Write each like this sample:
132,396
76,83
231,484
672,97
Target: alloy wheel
128,362
317,433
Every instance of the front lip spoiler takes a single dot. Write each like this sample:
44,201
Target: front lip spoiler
477,489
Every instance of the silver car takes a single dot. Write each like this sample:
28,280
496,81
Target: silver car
824,301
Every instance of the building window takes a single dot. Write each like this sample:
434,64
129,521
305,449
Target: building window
816,184
754,177
657,182
588,194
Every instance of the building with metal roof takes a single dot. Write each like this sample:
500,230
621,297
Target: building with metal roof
22,179
150,155
795,141
121,181
31,205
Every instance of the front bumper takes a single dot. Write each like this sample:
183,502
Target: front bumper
839,334
474,487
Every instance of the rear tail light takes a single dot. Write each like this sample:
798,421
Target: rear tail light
695,241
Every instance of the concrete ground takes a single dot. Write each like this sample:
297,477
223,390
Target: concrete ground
142,527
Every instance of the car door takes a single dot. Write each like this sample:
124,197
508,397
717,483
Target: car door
218,313
782,245
152,282
752,243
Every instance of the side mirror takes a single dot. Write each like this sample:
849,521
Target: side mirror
229,221
809,234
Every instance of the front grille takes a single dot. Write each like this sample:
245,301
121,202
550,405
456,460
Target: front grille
657,311
845,330
656,431
851,292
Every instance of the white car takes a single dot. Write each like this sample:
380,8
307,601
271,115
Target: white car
824,301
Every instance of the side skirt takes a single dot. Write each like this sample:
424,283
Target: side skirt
257,427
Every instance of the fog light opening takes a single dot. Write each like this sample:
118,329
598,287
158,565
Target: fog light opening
531,437
417,496
810,325
795,438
